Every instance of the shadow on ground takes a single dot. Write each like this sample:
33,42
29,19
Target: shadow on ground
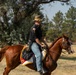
68,58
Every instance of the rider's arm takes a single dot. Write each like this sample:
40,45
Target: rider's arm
38,41
35,37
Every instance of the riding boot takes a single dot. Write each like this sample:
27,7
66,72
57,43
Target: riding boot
43,71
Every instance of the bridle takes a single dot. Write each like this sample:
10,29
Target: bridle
68,46
64,43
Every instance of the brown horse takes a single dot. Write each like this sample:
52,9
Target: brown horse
12,55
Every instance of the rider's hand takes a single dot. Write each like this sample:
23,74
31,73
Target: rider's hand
43,46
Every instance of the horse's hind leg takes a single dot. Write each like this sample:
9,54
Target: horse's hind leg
6,71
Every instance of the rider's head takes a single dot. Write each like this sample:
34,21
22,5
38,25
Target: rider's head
37,19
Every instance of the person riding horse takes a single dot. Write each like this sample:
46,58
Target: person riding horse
35,39
13,54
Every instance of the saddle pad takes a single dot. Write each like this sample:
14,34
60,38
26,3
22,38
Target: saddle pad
30,61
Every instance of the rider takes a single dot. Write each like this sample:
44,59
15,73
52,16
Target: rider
35,39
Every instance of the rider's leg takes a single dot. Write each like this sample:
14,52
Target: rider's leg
38,55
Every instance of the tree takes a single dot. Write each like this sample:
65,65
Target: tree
14,13
55,28
23,8
70,23
63,25
58,20
17,33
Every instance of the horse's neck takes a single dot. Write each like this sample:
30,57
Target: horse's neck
55,50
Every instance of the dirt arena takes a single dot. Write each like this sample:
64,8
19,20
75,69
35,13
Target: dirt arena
66,66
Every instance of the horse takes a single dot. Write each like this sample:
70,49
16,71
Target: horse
12,55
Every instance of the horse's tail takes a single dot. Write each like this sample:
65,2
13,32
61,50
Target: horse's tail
2,52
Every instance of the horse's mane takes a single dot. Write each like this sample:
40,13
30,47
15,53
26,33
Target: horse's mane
54,42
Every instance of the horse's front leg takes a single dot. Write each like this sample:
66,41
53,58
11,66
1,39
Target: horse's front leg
6,71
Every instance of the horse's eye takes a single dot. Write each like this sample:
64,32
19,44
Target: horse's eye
66,43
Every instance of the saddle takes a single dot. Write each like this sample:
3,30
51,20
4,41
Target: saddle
27,56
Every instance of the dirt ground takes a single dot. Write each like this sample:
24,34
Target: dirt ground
66,66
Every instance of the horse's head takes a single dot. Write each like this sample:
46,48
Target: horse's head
66,44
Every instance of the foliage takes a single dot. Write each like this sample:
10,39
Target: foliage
71,22
16,19
63,25
55,28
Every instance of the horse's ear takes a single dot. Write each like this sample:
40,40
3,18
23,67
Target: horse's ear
65,36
